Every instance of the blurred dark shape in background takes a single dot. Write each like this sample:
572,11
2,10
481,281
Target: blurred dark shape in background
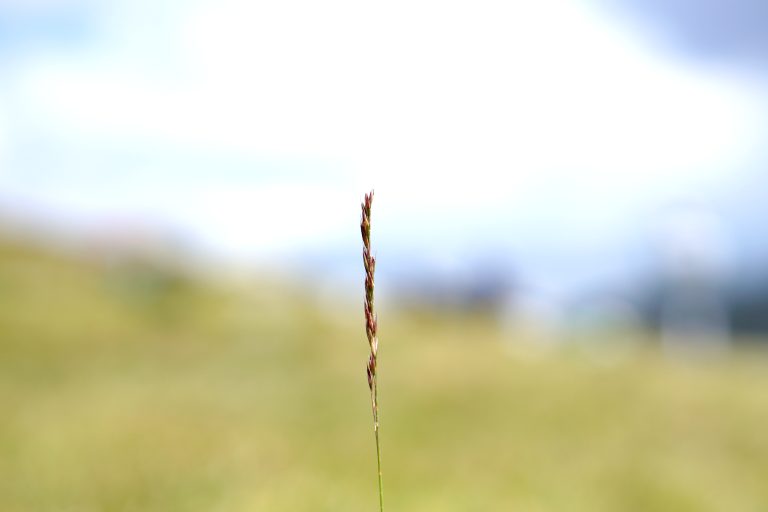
693,272
467,287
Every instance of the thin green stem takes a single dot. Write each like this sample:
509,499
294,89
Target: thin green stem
375,392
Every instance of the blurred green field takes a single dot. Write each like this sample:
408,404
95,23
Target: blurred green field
125,387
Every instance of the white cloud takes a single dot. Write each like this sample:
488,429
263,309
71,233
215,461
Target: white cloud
483,102
5,139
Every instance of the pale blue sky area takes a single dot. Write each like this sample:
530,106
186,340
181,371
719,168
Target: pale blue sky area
557,134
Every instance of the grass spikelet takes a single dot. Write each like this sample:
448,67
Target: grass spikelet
371,329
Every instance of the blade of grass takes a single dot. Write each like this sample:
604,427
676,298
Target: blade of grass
371,330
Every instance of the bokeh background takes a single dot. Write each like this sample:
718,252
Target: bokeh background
569,221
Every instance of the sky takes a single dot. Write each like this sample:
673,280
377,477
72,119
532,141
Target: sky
555,131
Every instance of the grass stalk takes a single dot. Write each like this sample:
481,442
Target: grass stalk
371,330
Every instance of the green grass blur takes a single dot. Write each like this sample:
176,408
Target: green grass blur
131,388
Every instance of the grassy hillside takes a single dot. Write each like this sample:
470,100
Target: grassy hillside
132,388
